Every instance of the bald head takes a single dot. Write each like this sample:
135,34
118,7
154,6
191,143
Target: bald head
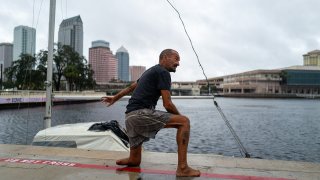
169,59
167,52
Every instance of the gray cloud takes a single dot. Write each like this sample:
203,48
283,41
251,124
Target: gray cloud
230,36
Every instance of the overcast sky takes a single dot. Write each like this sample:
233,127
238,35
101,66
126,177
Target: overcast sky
230,36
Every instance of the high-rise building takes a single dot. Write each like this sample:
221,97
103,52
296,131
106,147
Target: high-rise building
312,58
103,62
136,72
123,64
24,41
6,56
71,33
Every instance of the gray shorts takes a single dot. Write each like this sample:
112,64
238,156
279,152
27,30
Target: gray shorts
144,124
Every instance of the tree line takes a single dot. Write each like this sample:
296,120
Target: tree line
30,72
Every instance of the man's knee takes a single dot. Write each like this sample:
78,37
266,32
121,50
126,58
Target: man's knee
185,121
178,121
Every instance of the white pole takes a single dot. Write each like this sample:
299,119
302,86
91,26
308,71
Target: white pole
48,83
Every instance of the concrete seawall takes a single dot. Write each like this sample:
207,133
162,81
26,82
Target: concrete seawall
21,99
24,99
48,163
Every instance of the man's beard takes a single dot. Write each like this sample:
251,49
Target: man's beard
172,70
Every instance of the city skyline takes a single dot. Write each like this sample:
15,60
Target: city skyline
229,36
24,37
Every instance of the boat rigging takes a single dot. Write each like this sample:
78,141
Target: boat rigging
243,151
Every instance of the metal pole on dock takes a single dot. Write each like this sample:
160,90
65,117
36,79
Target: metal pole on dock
48,83
1,77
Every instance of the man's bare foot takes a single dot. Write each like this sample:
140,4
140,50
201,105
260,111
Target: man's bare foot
126,162
187,172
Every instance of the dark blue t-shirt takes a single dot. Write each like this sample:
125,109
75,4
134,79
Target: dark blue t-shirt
148,90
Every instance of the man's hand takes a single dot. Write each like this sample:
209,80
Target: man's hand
108,100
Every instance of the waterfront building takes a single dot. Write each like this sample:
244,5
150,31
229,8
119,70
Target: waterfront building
186,88
256,81
136,72
103,62
6,57
24,41
123,64
71,33
301,80
312,58
293,81
285,82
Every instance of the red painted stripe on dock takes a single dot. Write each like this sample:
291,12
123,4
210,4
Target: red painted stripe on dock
130,169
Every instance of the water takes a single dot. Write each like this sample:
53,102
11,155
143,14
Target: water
284,129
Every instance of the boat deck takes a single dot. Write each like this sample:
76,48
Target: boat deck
32,162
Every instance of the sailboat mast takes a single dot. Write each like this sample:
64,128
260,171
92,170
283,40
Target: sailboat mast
48,83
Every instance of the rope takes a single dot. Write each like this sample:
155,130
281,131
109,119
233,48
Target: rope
246,154
185,30
243,151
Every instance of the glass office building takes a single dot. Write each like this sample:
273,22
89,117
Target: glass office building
24,41
123,64
71,33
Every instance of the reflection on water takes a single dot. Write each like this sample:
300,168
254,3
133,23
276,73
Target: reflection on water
287,129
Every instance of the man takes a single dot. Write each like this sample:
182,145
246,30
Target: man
143,121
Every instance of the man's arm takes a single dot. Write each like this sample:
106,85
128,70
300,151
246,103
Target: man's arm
119,95
167,103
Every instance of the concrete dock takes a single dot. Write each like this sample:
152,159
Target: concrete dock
34,162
